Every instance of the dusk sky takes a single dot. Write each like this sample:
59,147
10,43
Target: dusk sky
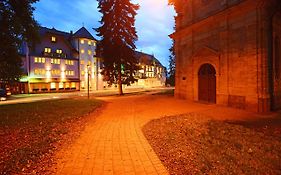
154,22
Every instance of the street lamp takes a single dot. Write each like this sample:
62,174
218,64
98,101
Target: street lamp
88,70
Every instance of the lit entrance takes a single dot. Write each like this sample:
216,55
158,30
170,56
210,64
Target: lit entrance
207,83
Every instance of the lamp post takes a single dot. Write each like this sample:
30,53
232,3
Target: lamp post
88,69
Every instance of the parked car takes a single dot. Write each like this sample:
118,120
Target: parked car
3,95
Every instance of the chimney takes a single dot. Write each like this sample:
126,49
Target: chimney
71,32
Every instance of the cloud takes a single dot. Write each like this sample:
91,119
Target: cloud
154,22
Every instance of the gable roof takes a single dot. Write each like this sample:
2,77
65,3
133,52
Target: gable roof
144,58
83,33
67,36
44,30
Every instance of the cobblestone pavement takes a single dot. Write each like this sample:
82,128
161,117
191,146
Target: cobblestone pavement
114,143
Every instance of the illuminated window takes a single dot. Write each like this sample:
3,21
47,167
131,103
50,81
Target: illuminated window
83,84
73,85
61,85
59,51
69,62
47,50
82,51
89,43
89,52
67,85
55,61
53,85
39,71
54,39
83,72
89,63
36,71
95,44
39,60
95,53
82,62
69,72
82,41
55,72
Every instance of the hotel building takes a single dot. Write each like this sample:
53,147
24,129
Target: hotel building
152,73
60,62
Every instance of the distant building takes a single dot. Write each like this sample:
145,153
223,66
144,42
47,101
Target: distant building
228,52
60,62
152,73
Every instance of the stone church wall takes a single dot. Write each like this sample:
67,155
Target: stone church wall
234,41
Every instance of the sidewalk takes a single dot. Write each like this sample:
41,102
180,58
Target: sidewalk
28,98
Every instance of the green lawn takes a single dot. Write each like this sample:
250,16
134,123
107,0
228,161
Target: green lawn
31,132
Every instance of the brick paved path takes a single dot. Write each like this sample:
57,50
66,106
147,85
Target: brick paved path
114,142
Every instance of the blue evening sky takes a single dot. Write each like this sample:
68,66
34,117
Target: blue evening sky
154,22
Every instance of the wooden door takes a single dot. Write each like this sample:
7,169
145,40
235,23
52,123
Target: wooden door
207,83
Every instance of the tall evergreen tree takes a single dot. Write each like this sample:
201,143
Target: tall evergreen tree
16,26
172,66
117,45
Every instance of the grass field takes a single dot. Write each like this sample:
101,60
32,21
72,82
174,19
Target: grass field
31,132
196,144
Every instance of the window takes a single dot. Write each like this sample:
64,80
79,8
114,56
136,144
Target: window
47,50
69,72
67,86
89,43
73,85
59,51
55,61
82,62
54,39
39,60
89,63
61,85
53,85
82,51
39,71
82,41
89,52
55,72
95,44
69,62
82,72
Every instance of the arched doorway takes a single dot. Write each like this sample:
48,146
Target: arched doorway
207,83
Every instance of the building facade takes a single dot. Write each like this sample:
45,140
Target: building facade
152,73
56,64
228,52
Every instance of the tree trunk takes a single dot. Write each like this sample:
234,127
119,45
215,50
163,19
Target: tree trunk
120,82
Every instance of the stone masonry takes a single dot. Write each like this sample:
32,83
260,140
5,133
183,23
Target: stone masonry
240,39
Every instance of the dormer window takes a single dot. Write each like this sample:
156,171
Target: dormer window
89,43
59,51
82,41
47,50
53,39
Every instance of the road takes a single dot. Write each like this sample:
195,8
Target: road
28,98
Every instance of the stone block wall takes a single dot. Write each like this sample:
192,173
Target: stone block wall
235,42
